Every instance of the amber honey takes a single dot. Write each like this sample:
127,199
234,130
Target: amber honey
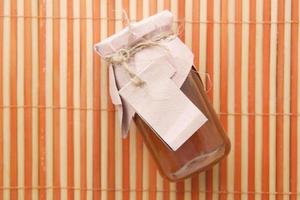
208,145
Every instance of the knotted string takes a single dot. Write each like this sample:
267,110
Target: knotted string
122,56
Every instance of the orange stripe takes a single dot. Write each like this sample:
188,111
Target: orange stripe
181,18
279,101
152,178
96,105
111,116
56,98
139,139
180,190
251,101
294,106
166,189
195,32
223,91
195,187
210,44
210,71
41,102
153,7
152,164
237,99
266,95
209,184
83,100
13,101
27,100
195,49
139,165
125,141
139,10
1,100
167,4
70,117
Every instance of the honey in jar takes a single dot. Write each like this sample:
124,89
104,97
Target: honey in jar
208,145
129,53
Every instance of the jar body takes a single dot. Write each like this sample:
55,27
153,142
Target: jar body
204,148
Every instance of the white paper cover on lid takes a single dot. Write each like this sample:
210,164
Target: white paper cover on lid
177,53
153,24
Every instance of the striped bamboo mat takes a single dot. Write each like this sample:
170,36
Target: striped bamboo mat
59,137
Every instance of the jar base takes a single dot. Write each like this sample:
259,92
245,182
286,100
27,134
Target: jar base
198,163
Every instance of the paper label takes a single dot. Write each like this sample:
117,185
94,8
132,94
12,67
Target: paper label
163,106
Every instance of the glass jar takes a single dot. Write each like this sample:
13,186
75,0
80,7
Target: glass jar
208,145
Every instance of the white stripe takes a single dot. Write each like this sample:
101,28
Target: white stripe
132,9
49,100
216,57
35,69
172,189
231,94
173,8
6,100
272,135
118,159
216,178
202,185
104,98
63,99
20,97
188,26
202,36
145,173
187,189
159,185
160,5
118,139
104,129
146,8
133,154
244,99
89,131
286,102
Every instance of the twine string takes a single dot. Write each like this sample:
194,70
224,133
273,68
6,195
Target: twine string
122,56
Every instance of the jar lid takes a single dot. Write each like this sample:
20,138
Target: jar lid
162,21
117,49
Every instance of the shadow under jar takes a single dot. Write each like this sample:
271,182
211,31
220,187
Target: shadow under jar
208,145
